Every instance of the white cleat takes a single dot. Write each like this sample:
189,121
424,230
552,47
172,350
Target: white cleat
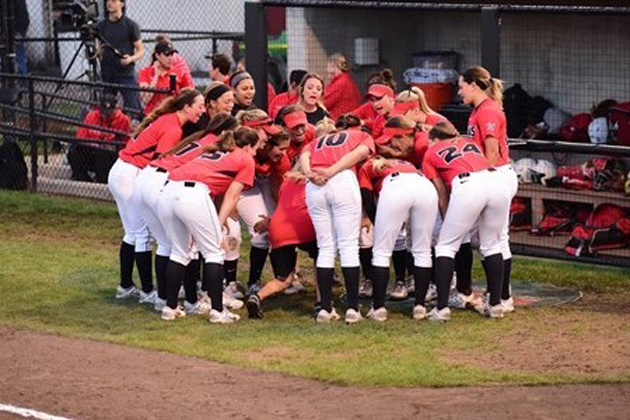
231,303
399,292
225,317
352,316
507,305
129,292
323,316
378,315
169,314
441,315
457,300
198,308
419,312
489,311
233,290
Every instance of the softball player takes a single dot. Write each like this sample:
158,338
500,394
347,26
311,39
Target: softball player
147,189
301,133
382,100
244,90
477,195
334,202
158,133
186,209
258,203
405,197
488,128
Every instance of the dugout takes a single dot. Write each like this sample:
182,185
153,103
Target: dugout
571,54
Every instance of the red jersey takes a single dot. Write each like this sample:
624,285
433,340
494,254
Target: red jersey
295,150
371,179
118,121
280,101
279,168
488,120
365,112
291,222
185,155
342,95
218,170
159,137
146,76
447,159
329,148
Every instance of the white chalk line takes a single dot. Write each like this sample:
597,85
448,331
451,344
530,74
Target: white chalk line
25,412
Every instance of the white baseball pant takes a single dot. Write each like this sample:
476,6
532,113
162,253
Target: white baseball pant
253,203
475,197
188,213
121,182
404,197
146,193
510,180
335,210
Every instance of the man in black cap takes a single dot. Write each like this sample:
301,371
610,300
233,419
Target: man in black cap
125,49
92,161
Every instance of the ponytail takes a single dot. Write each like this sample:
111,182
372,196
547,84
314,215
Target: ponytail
495,91
173,104
217,125
230,140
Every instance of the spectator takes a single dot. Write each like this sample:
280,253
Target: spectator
92,161
157,75
220,71
179,63
342,93
287,98
22,21
123,34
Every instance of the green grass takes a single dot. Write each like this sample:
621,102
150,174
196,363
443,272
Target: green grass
59,271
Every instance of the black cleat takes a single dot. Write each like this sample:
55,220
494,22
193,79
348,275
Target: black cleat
253,307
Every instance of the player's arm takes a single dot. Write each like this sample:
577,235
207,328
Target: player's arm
230,198
358,154
305,162
491,150
442,195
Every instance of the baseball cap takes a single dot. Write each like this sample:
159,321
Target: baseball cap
165,48
294,119
108,102
378,91
401,108
390,132
266,124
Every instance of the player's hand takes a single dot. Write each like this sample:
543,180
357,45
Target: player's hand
262,225
126,60
295,176
320,176
366,224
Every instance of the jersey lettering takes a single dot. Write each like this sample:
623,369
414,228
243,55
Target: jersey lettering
449,154
188,148
332,140
214,155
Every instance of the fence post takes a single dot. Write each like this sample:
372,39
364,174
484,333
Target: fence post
491,40
256,49
32,137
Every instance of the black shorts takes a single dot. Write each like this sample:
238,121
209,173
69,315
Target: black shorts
283,259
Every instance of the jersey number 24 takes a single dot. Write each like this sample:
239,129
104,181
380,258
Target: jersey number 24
451,153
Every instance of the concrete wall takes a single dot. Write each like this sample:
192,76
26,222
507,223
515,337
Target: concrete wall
572,60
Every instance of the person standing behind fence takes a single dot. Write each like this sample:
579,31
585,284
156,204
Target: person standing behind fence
124,35
158,133
158,74
342,93
488,128
98,157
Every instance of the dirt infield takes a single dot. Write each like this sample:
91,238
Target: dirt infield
82,379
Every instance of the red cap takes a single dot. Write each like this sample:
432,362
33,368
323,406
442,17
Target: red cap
401,108
265,124
390,132
294,119
378,91
272,129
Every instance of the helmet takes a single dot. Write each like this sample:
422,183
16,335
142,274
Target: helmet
523,167
598,130
543,171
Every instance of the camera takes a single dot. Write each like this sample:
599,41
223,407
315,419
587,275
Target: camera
83,16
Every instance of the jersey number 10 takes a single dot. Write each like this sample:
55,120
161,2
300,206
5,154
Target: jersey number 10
332,140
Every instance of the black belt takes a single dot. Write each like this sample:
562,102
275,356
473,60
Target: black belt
189,184
491,169
160,170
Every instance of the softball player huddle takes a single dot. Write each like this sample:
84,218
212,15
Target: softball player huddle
392,180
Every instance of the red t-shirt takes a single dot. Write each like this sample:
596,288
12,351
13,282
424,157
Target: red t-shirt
291,223
447,159
488,120
295,150
342,95
185,155
329,148
371,179
159,137
217,170
118,121
146,76
280,101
